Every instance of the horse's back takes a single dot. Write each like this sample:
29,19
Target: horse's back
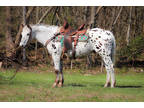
102,40
101,33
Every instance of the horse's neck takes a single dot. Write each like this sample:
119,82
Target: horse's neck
42,35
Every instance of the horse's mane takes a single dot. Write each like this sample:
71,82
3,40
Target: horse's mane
44,27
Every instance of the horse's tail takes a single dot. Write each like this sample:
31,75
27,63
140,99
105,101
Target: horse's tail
113,51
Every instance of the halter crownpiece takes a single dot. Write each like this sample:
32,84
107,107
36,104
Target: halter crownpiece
30,37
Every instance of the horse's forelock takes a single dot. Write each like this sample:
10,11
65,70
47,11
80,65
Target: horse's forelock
29,27
26,27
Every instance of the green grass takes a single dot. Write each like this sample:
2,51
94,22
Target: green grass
36,86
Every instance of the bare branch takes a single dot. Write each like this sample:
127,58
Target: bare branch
94,14
54,14
24,15
128,30
58,17
116,18
98,9
44,15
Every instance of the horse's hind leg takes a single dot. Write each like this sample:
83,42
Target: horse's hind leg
110,71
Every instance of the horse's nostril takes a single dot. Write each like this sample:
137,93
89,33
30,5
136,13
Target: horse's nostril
21,45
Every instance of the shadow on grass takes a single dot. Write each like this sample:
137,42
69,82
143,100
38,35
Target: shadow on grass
121,86
75,85
19,83
128,86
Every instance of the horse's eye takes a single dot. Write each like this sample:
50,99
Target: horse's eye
28,34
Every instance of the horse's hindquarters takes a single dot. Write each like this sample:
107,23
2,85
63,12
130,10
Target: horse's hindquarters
103,43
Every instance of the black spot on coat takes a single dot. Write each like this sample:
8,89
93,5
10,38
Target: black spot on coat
53,46
107,33
97,47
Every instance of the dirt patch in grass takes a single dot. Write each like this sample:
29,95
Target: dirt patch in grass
120,97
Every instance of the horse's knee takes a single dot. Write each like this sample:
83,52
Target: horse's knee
62,81
56,72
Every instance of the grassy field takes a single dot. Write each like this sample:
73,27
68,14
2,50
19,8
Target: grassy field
36,86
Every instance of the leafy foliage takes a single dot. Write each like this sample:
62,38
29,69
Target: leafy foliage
133,50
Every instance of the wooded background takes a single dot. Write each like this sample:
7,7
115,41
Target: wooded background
126,23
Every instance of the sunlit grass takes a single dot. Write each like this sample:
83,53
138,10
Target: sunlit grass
78,86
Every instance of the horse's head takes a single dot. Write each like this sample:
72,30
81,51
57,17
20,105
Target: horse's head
26,35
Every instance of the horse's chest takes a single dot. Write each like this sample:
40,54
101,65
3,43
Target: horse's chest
54,48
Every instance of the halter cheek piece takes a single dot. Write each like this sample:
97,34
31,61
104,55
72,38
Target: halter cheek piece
30,33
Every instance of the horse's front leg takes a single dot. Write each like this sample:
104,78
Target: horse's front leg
61,81
56,61
58,70
57,79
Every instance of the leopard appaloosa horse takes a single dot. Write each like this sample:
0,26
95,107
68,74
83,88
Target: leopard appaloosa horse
99,40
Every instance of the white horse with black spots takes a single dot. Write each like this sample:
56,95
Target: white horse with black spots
100,41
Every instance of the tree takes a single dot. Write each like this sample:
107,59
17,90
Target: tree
92,16
9,41
24,22
129,24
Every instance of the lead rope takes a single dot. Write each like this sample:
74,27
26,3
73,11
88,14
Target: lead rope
49,40
4,78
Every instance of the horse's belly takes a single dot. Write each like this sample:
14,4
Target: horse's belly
82,48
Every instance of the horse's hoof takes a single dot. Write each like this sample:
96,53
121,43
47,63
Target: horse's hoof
60,84
107,85
54,85
113,85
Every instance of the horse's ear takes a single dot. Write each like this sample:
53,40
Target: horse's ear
22,25
65,25
29,26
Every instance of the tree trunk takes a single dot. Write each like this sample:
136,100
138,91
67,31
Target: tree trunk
9,41
92,16
85,14
129,24
116,18
54,15
90,24
24,22
92,21
1,65
37,18
102,65
89,61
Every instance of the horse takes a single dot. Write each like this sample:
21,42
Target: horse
100,41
